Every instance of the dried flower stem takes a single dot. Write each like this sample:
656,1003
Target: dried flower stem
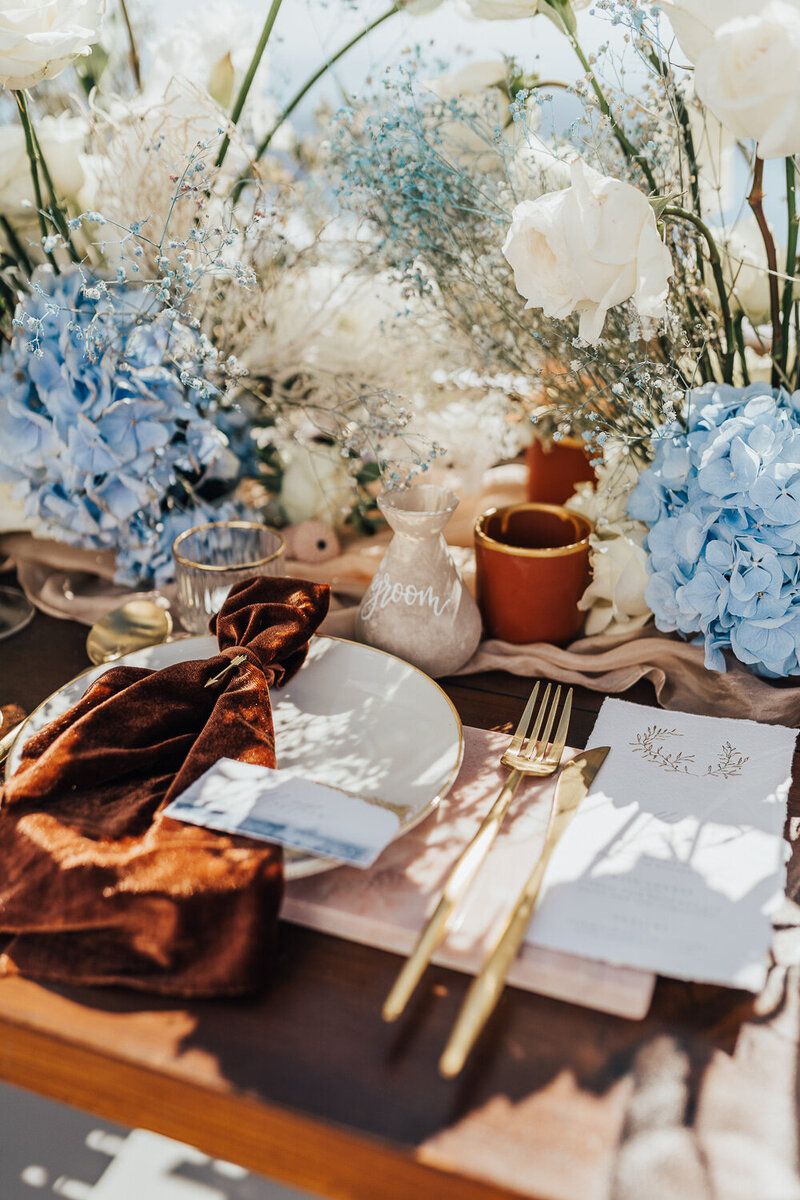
56,210
791,257
683,214
21,255
756,202
247,82
33,159
133,53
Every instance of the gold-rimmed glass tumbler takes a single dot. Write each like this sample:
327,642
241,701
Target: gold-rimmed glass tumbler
211,558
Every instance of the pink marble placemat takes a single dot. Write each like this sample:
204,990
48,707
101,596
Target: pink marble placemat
386,905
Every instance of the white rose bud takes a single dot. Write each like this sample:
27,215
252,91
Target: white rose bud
745,55
588,248
39,38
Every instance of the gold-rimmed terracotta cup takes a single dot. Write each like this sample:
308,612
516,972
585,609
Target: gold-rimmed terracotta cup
532,567
211,558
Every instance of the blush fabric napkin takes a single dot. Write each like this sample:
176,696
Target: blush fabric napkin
97,886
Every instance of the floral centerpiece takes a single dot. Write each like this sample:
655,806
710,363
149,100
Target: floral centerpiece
619,270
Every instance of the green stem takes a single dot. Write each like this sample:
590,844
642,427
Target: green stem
56,210
791,257
286,112
133,53
247,82
626,144
683,214
33,159
21,255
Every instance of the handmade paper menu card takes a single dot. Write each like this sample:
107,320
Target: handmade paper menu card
676,859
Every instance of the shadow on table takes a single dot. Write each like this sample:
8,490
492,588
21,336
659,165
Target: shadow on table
314,1041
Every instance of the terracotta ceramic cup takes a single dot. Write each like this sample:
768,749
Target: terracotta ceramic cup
532,567
554,470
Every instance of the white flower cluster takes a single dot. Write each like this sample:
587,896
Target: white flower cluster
614,601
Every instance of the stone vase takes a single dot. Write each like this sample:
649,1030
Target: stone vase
417,606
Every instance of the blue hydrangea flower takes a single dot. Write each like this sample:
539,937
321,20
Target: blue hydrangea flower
106,421
722,503
147,549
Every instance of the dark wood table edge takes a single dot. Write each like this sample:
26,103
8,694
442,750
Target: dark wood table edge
284,1145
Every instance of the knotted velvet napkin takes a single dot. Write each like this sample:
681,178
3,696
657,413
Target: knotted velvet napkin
96,885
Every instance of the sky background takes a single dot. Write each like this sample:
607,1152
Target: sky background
308,30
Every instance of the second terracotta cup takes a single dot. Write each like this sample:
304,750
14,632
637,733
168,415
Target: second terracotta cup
532,567
555,470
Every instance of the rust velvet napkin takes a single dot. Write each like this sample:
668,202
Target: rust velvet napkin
96,885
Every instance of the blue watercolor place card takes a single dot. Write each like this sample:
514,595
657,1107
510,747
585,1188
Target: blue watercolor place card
284,808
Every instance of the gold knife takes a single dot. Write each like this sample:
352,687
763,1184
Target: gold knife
487,986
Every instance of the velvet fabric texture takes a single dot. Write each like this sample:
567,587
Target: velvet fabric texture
97,886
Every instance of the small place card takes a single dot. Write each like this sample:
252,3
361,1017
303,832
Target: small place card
284,808
675,862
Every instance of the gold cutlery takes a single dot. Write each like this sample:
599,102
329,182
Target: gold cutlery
485,990
526,754
133,626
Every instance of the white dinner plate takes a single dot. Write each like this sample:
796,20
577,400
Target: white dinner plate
352,716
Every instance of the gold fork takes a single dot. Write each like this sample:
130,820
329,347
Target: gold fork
526,754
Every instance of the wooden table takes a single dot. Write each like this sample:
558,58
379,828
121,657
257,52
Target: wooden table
308,1085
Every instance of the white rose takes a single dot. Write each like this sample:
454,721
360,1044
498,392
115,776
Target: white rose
39,38
509,10
694,22
588,248
614,600
316,484
744,266
62,141
745,54
538,167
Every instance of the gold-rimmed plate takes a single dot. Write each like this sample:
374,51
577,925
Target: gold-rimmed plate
353,717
